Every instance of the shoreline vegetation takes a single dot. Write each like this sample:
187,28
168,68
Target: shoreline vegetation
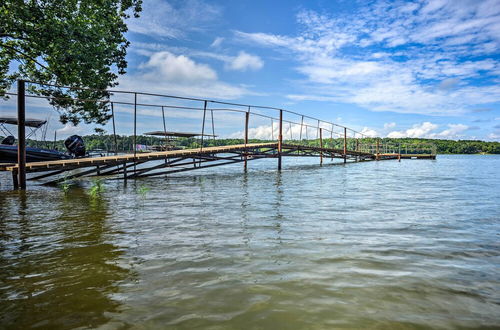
125,143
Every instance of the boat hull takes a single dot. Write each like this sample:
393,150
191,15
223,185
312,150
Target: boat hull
8,154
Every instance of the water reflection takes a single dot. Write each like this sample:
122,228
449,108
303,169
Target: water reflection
59,266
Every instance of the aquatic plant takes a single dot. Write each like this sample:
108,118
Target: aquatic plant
65,184
97,188
143,190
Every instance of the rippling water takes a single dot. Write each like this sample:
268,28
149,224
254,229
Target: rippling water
381,245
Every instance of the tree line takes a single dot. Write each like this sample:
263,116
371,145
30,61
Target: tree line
124,143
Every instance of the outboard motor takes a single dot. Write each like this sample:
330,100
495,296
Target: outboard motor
75,145
9,140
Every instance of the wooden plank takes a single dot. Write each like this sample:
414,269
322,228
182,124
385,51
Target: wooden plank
83,162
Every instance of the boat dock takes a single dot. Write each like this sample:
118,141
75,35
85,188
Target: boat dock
331,141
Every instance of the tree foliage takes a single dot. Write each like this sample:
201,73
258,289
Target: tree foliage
104,141
74,43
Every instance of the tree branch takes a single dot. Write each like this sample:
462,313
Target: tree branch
24,55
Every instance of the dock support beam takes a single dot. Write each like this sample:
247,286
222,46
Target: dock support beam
21,134
247,118
321,146
280,140
345,145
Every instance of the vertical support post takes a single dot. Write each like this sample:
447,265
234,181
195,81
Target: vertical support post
272,129
247,118
125,171
114,128
301,124
399,152
21,133
55,138
378,146
357,149
135,131
164,130
321,146
331,140
203,125
280,140
345,145
213,125
15,181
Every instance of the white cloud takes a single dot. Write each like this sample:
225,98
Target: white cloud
453,131
455,39
245,61
164,19
369,132
494,136
178,68
217,42
70,129
428,130
389,125
167,73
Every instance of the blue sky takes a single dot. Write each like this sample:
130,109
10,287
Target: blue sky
387,68
391,68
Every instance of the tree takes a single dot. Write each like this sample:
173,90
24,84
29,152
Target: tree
74,43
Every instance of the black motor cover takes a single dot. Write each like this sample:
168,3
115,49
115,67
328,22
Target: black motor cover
9,140
75,145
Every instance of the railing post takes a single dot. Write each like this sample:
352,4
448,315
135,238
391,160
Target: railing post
301,124
280,140
331,141
321,146
399,152
247,118
345,145
114,128
21,134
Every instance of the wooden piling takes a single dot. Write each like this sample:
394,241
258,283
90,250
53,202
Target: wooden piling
21,134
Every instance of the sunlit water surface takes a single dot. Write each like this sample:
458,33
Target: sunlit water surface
380,245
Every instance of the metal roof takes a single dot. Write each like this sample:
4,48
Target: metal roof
30,122
176,134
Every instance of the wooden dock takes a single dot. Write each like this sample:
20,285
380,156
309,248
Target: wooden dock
129,166
355,146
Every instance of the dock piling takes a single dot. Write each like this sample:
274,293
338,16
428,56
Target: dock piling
21,134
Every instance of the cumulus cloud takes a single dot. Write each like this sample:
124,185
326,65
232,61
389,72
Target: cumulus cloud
167,73
178,68
369,132
428,130
245,61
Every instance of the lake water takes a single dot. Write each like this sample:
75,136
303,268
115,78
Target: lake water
380,245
